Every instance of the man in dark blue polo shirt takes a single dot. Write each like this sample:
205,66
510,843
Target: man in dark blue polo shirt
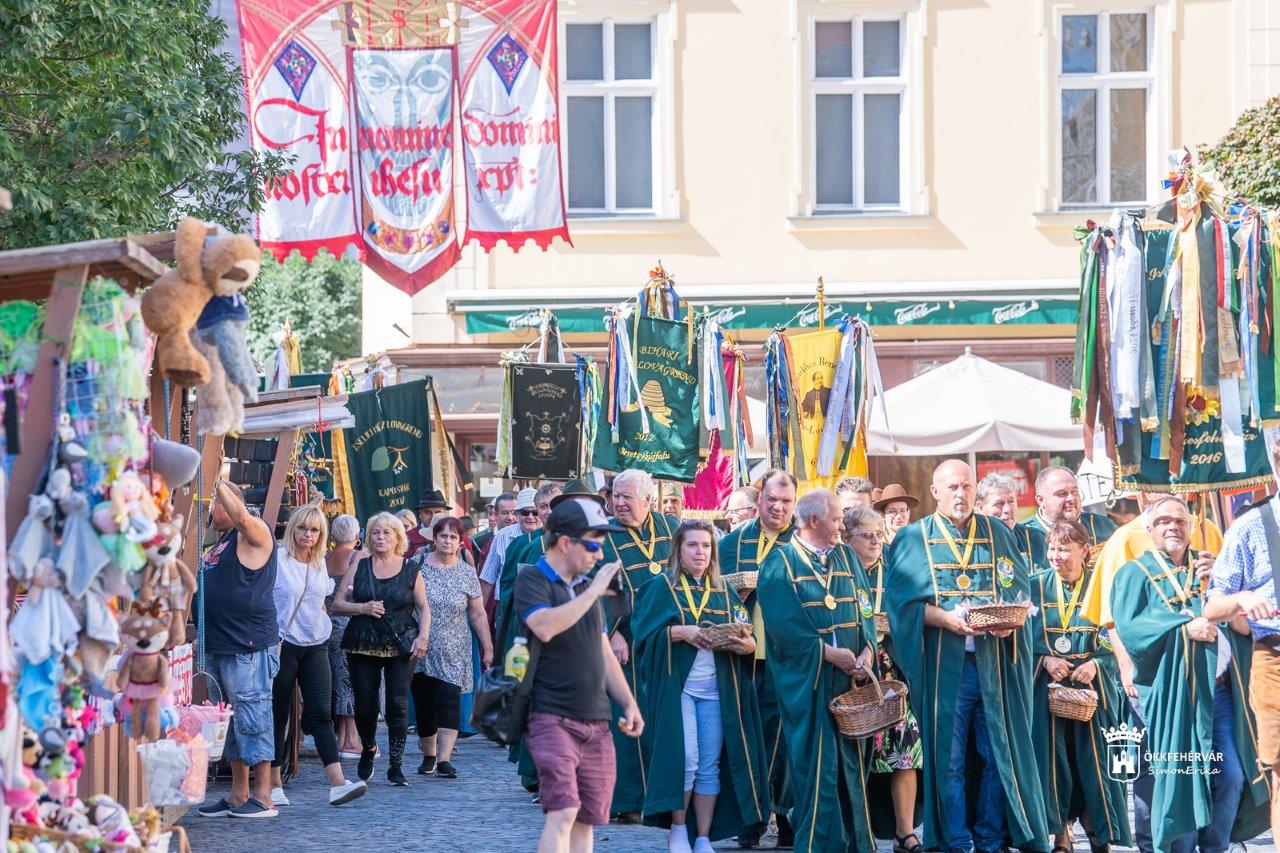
568,732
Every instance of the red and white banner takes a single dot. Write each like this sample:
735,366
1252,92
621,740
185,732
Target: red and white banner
370,98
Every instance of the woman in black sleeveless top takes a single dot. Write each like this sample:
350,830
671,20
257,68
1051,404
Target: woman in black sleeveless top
388,632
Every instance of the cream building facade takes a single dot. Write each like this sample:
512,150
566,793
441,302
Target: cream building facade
927,158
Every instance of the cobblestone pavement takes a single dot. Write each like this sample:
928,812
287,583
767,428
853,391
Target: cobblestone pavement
485,809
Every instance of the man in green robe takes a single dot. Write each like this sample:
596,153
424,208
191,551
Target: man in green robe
1058,498
970,690
1208,791
642,548
743,550
664,662
819,638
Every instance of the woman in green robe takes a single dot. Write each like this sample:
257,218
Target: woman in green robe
703,744
1156,604
1072,652
897,751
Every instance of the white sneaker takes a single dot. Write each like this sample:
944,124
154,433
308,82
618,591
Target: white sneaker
346,792
678,840
278,798
702,844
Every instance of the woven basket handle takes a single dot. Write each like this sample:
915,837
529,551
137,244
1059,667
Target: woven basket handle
875,682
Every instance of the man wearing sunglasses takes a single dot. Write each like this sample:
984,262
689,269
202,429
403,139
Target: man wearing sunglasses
527,521
576,674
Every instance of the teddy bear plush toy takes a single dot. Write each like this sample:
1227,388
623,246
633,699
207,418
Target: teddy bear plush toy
221,265
168,579
143,674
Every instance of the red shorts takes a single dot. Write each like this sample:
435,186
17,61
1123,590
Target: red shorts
575,764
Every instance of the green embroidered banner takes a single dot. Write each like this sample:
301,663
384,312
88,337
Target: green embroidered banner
1204,463
667,370
389,448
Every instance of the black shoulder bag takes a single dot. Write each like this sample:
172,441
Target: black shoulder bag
500,704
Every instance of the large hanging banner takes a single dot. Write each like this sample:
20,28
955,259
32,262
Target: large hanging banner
666,368
389,448
370,97
546,422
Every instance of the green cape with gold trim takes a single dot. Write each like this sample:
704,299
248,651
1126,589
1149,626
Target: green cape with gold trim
663,666
1033,537
739,552
828,771
1175,678
921,569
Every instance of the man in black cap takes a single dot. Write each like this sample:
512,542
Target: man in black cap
576,674
430,505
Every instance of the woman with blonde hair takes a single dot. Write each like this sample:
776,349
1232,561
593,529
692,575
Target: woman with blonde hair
302,583
383,640
703,727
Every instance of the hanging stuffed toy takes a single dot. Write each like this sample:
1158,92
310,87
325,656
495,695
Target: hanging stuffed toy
167,579
126,519
143,674
81,555
34,539
44,625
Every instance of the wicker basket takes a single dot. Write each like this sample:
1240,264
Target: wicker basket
997,617
865,709
1073,703
723,636
742,582
882,626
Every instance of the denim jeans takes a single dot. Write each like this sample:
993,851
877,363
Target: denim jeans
988,828
703,740
245,681
1226,785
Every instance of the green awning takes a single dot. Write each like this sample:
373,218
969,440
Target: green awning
930,312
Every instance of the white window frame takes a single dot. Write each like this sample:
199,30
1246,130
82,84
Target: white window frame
913,195
659,16
1156,80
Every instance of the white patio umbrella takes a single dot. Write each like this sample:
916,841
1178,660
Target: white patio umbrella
972,405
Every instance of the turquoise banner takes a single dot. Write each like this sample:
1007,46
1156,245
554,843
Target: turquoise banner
928,312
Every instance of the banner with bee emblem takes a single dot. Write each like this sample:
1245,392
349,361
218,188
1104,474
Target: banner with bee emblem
389,448
667,364
546,421
813,358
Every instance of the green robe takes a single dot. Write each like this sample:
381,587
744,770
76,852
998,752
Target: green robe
739,552
1074,765
1175,679
828,771
628,791
1033,537
663,665
921,569
526,548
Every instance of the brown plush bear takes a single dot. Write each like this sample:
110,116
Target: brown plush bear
143,676
167,579
222,265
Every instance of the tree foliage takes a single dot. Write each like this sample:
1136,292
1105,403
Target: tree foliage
1247,158
114,117
321,298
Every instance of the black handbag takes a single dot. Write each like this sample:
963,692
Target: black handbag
500,703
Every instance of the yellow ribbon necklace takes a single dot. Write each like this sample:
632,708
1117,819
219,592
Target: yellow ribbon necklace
1184,593
647,553
766,545
963,581
696,609
829,600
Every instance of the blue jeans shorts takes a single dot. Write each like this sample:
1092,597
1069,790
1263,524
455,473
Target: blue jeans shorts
246,686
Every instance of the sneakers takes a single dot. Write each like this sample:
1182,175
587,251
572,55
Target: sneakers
350,754
364,768
278,798
428,765
346,792
219,809
254,809
627,818
678,839
702,844
446,771
396,776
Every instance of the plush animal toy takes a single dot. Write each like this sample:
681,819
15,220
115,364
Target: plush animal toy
223,265
143,674
167,579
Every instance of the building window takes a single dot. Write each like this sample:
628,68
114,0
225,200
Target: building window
1105,84
610,94
859,92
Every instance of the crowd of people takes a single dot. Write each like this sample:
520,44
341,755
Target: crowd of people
681,674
